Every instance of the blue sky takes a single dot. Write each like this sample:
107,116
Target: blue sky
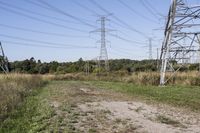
147,18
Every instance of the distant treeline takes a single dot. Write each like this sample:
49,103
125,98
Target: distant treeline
32,66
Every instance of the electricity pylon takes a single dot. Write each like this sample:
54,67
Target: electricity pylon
103,58
3,60
181,38
150,49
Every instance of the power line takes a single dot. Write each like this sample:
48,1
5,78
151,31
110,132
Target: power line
93,11
85,7
55,24
122,51
43,45
96,13
35,13
18,13
46,7
116,18
65,13
90,10
149,9
152,7
36,4
40,20
41,32
126,40
107,12
136,12
117,53
116,36
37,41
126,49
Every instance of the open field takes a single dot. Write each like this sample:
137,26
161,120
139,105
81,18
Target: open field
100,66
91,106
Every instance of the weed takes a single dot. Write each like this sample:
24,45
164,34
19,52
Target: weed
118,120
92,130
169,121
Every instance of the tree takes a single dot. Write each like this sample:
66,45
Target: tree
43,68
53,66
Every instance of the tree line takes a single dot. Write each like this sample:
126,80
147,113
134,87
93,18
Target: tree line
31,66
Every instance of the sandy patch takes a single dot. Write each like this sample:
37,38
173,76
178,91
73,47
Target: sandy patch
147,118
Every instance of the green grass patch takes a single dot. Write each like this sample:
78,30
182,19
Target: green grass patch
180,96
14,88
92,130
32,116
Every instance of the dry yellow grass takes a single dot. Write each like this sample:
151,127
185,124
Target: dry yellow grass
141,78
153,78
14,88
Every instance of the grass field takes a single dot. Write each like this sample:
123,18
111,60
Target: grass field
48,103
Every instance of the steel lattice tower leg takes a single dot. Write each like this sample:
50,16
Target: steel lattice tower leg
3,60
198,56
181,38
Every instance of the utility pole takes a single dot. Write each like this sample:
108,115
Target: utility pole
103,58
3,60
181,27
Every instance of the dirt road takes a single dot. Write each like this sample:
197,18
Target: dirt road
82,107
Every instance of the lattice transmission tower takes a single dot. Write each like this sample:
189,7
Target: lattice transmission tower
103,58
3,60
181,40
150,49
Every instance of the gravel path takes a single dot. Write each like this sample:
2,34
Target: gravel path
87,109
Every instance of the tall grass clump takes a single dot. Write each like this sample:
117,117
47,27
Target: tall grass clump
143,78
14,88
191,78
153,78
